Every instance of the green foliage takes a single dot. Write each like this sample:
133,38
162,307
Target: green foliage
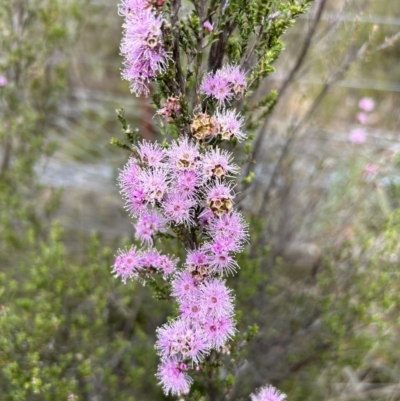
69,328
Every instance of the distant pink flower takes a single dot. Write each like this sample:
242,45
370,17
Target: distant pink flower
224,84
127,264
3,80
208,26
371,170
357,136
173,378
362,118
366,104
268,393
169,109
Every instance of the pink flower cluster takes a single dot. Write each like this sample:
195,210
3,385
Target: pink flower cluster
366,104
225,84
185,188
141,45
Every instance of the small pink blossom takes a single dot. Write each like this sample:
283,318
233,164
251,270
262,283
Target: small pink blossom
229,125
154,184
183,155
173,378
181,339
362,118
208,26
184,287
216,298
224,84
179,210
151,154
147,225
268,393
187,182
219,331
358,136
367,104
217,163
371,170
127,264
3,80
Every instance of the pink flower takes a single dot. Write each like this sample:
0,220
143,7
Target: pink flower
186,182
130,8
224,84
217,163
208,27
181,339
179,210
235,77
3,80
362,118
183,155
268,393
216,298
357,136
167,265
231,228
219,331
173,378
229,125
141,45
220,260
191,309
366,104
154,184
151,154
127,264
132,188
150,260
219,197
371,170
184,286
215,86
148,224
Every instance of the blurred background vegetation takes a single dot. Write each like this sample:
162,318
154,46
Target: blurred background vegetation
321,276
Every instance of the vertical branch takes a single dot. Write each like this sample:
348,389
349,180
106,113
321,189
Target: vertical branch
217,50
175,6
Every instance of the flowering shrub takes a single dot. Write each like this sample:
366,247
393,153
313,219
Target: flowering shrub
184,188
